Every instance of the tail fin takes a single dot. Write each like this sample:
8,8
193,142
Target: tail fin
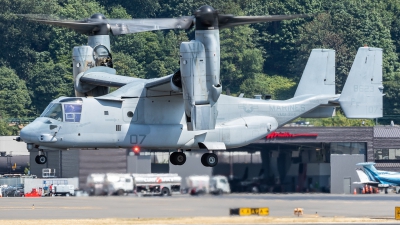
363,177
362,93
370,170
319,75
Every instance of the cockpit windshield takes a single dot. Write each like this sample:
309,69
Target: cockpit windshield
53,111
73,112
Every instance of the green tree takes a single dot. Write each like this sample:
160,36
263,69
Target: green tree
14,96
48,81
277,86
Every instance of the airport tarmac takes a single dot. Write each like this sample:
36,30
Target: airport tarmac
378,207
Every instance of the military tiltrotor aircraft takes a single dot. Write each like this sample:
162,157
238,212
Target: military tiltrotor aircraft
186,110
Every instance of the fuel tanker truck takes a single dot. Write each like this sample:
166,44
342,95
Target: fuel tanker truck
164,184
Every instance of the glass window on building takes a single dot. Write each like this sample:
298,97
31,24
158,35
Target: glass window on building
387,154
239,157
160,157
348,148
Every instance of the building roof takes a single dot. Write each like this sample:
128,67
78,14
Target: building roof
387,131
12,147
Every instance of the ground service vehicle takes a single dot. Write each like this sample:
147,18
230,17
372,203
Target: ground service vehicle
61,189
219,185
207,185
118,183
163,184
94,183
142,184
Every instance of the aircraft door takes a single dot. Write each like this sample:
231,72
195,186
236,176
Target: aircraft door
347,185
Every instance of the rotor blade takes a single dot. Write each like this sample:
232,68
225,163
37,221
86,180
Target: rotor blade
80,27
226,20
83,26
126,26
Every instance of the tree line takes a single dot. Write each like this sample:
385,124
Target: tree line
264,58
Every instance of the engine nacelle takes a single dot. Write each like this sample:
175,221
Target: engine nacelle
97,53
200,108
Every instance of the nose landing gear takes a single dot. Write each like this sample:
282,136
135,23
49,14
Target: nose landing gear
209,159
177,158
40,158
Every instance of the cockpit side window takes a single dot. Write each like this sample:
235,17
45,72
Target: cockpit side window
73,112
53,111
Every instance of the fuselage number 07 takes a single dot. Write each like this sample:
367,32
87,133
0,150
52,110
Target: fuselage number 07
137,138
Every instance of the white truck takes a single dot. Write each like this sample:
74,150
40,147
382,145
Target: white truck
164,184
94,183
62,189
207,185
118,184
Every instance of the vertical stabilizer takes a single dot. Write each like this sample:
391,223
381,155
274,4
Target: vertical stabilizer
362,94
319,75
369,170
363,177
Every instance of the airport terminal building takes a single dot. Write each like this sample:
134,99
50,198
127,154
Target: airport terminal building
292,159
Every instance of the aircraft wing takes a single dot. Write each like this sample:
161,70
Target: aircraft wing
105,76
161,87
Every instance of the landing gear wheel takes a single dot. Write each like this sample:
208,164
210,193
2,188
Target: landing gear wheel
203,159
177,158
37,159
180,158
172,158
41,159
209,159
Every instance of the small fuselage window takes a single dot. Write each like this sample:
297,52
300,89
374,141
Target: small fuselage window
53,111
73,112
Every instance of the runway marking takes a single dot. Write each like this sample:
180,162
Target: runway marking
41,207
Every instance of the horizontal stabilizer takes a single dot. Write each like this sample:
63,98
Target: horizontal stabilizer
319,75
321,112
362,95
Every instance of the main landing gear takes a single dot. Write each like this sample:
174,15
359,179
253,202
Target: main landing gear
208,159
41,158
177,158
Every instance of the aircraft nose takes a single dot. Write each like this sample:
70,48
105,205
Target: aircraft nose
27,133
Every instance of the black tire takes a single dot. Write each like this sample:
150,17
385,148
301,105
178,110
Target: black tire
37,159
211,160
180,158
172,158
203,159
165,191
42,159
120,192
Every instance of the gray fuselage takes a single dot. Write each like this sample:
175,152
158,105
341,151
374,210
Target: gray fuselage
160,123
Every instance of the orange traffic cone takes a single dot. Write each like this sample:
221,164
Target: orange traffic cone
355,191
370,189
363,190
